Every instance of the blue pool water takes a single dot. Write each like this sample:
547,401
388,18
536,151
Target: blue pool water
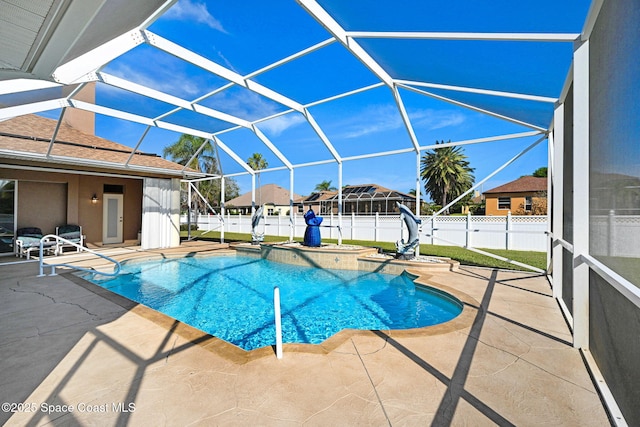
232,298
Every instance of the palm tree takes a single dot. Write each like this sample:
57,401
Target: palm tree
324,186
257,162
446,173
182,151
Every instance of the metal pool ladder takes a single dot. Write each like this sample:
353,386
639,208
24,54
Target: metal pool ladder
115,272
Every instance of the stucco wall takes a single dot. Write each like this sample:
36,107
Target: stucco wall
491,202
47,199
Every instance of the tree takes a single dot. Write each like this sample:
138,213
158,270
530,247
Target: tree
182,151
540,172
446,173
257,162
324,186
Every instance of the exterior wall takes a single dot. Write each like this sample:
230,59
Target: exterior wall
36,198
90,214
47,200
517,199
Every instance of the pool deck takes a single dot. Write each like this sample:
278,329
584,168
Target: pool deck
65,342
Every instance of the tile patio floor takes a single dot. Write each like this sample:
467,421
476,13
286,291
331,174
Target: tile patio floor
65,342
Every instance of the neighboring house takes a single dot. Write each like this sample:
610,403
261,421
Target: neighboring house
275,199
359,199
521,196
85,180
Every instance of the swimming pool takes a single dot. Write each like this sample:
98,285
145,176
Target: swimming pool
231,297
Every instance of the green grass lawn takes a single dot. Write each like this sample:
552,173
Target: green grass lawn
464,256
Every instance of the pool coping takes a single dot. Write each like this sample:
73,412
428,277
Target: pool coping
237,355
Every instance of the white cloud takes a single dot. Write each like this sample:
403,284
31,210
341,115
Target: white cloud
164,77
436,119
383,118
279,124
194,11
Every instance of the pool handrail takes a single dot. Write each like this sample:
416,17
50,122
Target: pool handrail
81,249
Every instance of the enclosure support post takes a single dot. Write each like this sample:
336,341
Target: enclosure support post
340,203
557,178
417,250
188,211
581,196
290,206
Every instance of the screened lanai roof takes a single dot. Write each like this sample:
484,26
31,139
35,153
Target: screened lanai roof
273,77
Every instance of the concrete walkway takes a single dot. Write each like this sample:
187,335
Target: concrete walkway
74,354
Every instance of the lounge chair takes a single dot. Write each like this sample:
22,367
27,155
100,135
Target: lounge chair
27,240
72,233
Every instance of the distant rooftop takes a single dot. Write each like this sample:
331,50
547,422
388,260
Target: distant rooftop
524,184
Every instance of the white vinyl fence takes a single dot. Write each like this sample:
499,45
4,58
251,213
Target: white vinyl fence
615,235
523,233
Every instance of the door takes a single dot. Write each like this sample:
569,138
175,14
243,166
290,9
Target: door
7,215
112,219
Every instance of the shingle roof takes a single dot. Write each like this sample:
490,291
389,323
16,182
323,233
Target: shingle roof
524,184
355,191
267,194
25,136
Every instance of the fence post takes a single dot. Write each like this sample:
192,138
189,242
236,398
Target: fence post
279,218
433,229
353,225
611,232
468,235
508,235
375,227
331,224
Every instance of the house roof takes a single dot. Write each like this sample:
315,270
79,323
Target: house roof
524,184
28,136
267,194
352,192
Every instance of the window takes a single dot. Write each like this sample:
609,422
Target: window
269,211
504,202
528,203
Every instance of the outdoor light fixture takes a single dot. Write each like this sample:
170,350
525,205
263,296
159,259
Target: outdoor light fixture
94,199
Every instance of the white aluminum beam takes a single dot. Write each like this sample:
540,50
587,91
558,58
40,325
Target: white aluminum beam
405,118
479,91
471,107
271,146
232,154
316,11
202,62
290,58
318,130
581,196
169,99
345,94
24,85
156,123
36,107
419,35
93,60
557,194
478,184
133,152
592,16
55,132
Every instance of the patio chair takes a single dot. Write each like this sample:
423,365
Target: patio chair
72,233
27,240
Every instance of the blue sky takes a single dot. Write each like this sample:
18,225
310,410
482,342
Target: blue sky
247,37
